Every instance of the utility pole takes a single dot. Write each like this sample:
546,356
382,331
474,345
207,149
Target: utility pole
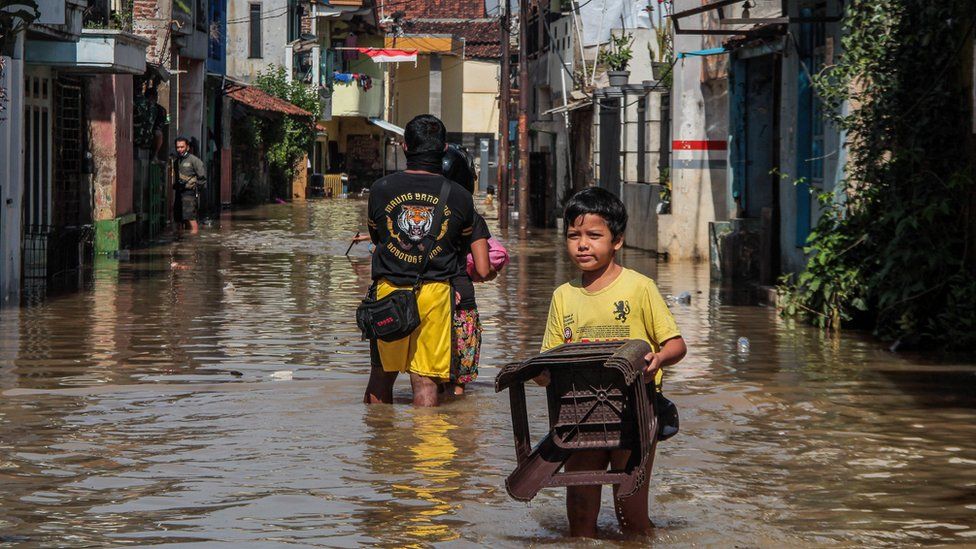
523,118
504,102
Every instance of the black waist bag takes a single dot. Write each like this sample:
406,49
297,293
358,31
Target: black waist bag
396,315
391,318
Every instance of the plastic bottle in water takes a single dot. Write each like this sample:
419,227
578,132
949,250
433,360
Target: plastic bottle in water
743,345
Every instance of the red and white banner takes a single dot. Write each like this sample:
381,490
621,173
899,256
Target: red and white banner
389,56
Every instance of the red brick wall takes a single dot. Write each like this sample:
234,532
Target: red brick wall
148,23
443,9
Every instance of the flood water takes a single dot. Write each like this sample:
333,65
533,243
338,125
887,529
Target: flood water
209,391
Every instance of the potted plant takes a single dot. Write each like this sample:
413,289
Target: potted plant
662,52
616,58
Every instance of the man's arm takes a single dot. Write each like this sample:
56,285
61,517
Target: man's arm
200,171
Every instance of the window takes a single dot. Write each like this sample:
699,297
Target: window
255,38
294,20
201,15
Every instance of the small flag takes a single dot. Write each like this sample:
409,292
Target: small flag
389,56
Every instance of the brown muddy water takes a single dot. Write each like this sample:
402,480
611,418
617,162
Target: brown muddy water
121,422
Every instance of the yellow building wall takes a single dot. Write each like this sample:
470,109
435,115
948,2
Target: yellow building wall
350,99
452,89
411,90
480,103
469,94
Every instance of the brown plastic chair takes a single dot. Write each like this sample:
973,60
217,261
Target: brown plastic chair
597,401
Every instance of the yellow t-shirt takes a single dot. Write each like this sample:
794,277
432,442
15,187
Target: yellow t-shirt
631,307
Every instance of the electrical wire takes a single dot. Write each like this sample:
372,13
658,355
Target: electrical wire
269,15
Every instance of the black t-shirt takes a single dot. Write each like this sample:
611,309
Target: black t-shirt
401,214
463,284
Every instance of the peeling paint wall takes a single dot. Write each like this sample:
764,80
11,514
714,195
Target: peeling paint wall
110,114
274,37
699,162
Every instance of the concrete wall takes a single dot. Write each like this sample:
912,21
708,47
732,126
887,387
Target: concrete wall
699,110
191,118
480,103
351,100
411,90
792,258
11,174
274,33
110,113
452,93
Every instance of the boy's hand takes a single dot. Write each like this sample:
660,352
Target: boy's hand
543,378
653,365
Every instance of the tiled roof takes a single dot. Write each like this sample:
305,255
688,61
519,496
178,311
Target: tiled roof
259,100
442,9
481,38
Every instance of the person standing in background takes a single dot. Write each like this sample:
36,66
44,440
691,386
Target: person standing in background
191,177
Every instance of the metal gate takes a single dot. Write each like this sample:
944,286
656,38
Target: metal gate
157,198
38,146
610,144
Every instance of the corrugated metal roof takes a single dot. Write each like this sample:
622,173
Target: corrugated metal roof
259,100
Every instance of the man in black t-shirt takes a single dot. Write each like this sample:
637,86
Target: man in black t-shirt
401,212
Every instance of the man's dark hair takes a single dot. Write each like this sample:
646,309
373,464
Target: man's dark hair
425,133
597,201
183,139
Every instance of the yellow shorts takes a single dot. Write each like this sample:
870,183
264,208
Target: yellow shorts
427,351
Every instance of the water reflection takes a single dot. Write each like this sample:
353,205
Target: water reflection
121,422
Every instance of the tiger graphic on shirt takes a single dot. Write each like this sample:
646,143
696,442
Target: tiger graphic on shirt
415,221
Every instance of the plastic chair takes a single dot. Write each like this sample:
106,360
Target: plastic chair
597,401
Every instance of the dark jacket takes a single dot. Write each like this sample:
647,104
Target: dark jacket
191,174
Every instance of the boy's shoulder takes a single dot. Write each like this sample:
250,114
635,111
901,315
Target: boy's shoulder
637,280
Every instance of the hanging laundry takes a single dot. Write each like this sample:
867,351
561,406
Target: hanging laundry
345,78
351,54
365,82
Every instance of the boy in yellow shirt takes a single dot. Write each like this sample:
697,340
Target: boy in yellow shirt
608,302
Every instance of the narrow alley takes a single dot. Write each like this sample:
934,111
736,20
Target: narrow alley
209,391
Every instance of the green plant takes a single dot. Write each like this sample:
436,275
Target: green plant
286,139
893,249
618,53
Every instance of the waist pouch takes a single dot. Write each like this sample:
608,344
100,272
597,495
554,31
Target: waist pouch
390,318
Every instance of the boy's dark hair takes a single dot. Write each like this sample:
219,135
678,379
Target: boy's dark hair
183,139
425,133
597,201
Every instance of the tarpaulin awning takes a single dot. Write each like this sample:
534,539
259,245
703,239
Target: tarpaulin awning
392,128
262,101
387,55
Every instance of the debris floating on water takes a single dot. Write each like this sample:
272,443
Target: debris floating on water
684,298
282,375
743,345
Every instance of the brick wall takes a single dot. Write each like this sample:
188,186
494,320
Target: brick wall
443,9
307,20
149,20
